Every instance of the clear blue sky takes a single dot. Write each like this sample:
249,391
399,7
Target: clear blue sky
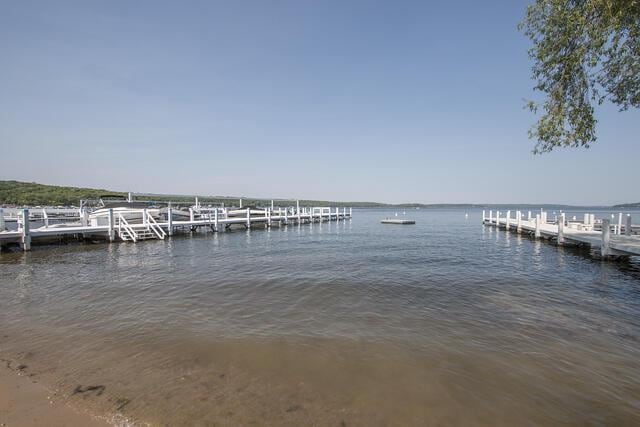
352,100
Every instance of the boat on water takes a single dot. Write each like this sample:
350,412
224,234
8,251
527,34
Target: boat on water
127,208
240,212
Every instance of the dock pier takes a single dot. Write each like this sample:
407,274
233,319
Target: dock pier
621,239
133,225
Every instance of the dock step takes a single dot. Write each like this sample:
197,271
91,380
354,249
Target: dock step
140,234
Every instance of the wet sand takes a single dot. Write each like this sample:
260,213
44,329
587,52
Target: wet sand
320,382
25,402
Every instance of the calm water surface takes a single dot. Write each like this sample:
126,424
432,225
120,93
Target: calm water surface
354,323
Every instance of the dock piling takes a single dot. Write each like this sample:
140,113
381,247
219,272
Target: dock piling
537,232
111,219
169,220
627,226
606,237
619,223
561,229
26,235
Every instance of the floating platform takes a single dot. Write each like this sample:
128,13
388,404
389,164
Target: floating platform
398,221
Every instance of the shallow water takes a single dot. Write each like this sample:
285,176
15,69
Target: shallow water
351,323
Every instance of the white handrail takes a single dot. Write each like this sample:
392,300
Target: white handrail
153,225
123,224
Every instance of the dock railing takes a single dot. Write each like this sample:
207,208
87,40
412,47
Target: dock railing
600,234
123,225
154,226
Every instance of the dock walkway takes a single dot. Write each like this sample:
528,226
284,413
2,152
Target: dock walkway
611,240
138,224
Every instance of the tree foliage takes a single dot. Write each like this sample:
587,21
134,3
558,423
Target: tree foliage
585,52
33,194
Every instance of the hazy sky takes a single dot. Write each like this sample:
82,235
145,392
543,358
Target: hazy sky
352,100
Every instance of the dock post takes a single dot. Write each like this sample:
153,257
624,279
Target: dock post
170,220
145,219
248,218
620,223
1,219
83,217
490,216
286,216
112,234
519,222
46,218
537,232
561,229
269,218
191,215
483,216
606,237
350,213
26,235
506,220
529,216
298,210
272,204
627,226
498,219
240,202
215,220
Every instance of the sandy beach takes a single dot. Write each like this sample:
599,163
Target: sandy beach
24,402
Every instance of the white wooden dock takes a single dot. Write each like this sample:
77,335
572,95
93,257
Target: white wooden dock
134,225
620,239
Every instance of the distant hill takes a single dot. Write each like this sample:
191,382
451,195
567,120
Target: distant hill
33,194
628,205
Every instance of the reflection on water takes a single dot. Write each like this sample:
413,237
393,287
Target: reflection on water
354,323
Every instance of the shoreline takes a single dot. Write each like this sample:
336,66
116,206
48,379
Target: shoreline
26,402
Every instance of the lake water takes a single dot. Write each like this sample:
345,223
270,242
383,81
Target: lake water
445,322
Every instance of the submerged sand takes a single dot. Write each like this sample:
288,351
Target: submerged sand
25,402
